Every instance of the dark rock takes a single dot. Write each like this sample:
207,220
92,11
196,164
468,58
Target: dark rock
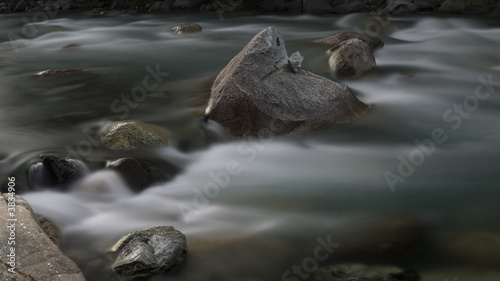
138,174
132,135
159,6
361,272
427,5
37,257
281,6
350,7
374,5
22,6
317,7
350,58
338,37
147,252
186,28
50,228
53,171
52,72
397,7
258,93
470,7
190,5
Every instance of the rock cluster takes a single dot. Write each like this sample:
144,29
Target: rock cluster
262,91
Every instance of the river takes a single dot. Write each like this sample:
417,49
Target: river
426,154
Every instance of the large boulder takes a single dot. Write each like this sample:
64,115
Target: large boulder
33,254
147,252
261,92
350,58
132,135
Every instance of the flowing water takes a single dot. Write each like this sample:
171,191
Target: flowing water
425,155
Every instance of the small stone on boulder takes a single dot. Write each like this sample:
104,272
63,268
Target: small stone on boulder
147,252
295,61
132,135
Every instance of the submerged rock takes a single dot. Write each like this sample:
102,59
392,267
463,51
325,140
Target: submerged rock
350,58
339,37
361,272
36,256
139,174
186,28
53,171
132,135
147,252
52,72
259,93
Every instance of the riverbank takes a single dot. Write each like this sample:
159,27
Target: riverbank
293,7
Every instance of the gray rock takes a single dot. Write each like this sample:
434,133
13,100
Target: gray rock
55,172
350,58
132,135
147,252
397,7
256,95
361,272
295,61
338,37
37,257
186,28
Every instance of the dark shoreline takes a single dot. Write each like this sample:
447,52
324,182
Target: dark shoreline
255,7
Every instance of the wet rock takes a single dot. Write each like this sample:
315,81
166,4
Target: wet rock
397,7
350,58
258,94
37,257
55,172
186,28
132,135
361,272
53,72
50,228
339,37
147,252
139,174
